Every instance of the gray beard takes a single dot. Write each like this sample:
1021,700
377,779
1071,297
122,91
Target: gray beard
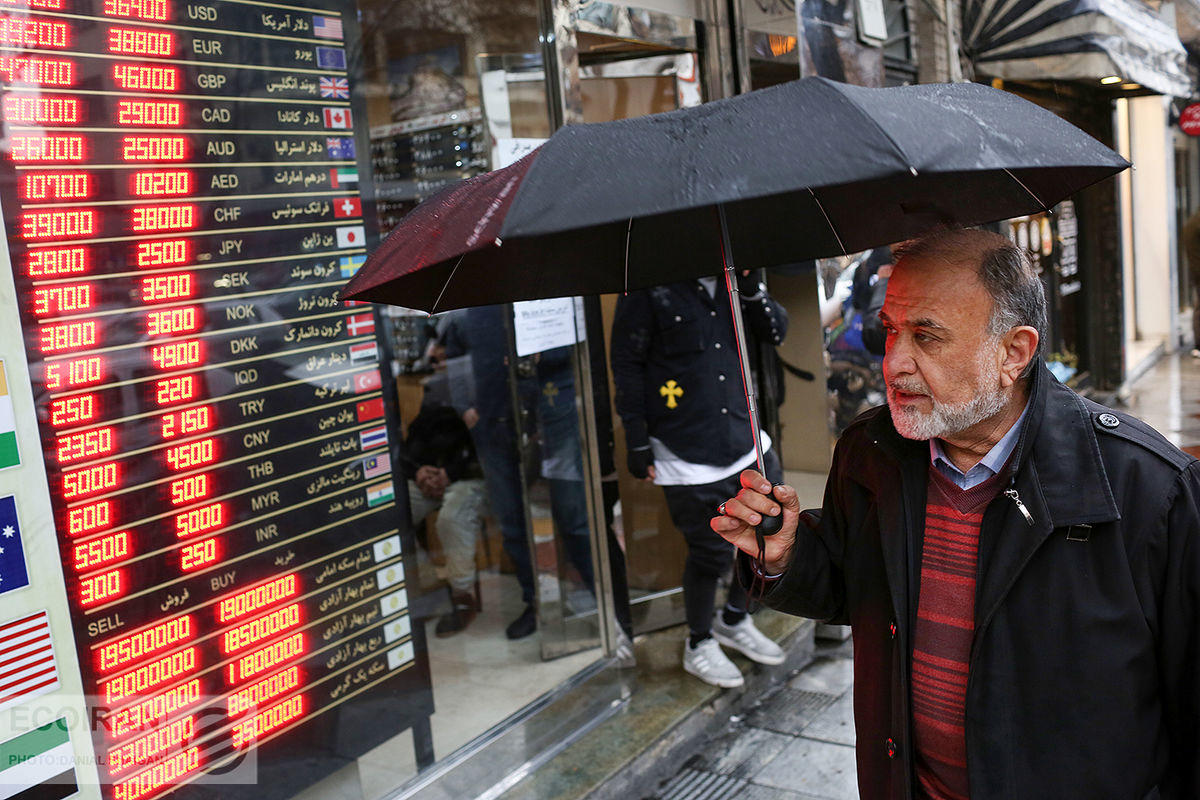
947,419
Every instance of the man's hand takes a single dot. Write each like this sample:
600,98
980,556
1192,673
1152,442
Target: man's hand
746,510
432,481
640,461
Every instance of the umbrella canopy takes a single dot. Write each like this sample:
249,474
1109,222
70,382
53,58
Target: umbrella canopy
805,169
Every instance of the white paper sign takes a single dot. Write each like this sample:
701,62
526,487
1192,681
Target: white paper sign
544,324
510,151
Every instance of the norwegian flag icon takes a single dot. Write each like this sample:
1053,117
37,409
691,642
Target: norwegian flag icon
347,207
335,88
337,117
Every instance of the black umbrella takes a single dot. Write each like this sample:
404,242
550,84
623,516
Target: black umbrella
801,170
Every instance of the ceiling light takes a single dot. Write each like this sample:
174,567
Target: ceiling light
1131,86
1111,79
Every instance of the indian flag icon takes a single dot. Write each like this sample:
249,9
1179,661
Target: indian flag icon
9,457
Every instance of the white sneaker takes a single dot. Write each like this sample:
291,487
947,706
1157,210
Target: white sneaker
623,652
709,664
747,640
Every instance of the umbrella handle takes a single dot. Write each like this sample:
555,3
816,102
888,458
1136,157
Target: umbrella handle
769,525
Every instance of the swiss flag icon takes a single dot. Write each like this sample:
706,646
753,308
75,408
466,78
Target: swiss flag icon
347,207
337,117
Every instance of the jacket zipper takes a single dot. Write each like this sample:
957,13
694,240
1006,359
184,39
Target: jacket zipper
1011,494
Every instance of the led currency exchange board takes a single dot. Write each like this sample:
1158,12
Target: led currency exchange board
182,192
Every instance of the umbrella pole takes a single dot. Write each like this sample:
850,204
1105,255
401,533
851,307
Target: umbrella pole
739,336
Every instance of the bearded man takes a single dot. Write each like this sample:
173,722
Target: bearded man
1021,566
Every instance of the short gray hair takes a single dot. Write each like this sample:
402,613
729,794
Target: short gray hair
1005,271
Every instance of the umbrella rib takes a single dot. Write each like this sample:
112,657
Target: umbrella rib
1027,189
628,233
446,285
828,221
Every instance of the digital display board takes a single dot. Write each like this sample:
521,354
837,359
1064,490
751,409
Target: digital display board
181,192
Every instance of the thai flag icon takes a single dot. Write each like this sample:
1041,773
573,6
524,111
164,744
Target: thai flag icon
373,437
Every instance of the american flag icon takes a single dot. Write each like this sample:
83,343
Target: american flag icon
327,27
27,658
336,88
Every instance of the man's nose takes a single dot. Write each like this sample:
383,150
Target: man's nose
897,357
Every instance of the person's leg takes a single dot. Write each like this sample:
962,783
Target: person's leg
568,507
419,506
498,458
458,527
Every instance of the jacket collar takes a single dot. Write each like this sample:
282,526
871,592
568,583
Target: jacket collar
1057,458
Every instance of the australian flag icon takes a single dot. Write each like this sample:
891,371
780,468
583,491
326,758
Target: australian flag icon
340,147
13,574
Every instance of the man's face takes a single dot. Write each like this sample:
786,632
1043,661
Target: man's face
942,367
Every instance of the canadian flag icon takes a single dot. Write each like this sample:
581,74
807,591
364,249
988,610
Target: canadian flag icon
351,236
337,117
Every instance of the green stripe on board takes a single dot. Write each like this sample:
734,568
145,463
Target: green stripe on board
37,741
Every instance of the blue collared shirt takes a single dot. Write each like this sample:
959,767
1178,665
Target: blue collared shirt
988,466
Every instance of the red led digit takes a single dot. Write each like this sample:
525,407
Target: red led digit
62,299
266,658
187,421
90,480
33,32
74,373
137,646
139,42
153,219
154,148
87,444
39,110
73,410
154,708
37,71
149,781
177,355
98,588
151,746
258,597
258,693
52,5
260,628
175,390
65,224
200,520
67,336
264,722
150,675
200,554
53,262
164,253
176,286
47,147
190,489
172,321
191,454
160,113
150,10
101,552
142,78
161,183
41,186
93,517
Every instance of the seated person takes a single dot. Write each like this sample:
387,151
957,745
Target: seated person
443,474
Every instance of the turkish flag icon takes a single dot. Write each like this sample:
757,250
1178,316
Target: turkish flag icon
366,381
337,117
347,207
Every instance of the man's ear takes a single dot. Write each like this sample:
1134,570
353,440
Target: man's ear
1020,344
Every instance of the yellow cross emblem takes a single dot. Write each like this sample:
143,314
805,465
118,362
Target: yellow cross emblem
671,390
550,392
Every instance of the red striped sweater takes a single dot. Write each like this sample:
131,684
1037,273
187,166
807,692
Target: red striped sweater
944,630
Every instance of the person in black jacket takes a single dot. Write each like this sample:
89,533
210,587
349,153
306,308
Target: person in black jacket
1020,565
680,396
443,474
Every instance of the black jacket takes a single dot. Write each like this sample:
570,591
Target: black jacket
438,437
1084,679
675,368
